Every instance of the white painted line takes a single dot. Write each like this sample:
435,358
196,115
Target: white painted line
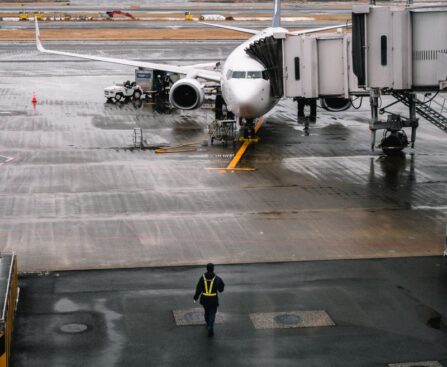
417,364
427,207
7,159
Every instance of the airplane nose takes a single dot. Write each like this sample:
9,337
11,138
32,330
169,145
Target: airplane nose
247,100
246,96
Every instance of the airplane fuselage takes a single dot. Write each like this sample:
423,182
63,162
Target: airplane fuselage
245,88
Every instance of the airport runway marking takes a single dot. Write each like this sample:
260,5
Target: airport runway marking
7,159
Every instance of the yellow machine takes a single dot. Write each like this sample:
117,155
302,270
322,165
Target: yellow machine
23,16
188,15
39,15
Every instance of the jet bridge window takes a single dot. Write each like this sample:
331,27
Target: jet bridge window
297,68
383,50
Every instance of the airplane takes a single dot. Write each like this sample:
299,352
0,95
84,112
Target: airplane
246,83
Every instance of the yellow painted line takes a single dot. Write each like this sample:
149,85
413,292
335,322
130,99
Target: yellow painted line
238,156
240,153
259,124
232,169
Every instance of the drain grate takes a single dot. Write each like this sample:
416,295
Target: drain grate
291,319
417,364
193,316
73,328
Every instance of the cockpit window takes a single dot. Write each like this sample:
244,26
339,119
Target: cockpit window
254,74
238,74
247,74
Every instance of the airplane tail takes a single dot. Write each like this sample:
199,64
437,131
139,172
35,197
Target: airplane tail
277,14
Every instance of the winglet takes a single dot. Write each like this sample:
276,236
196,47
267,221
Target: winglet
38,42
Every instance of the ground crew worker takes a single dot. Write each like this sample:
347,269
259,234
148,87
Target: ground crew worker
207,287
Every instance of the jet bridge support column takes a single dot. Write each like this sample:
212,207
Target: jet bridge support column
301,116
374,95
412,117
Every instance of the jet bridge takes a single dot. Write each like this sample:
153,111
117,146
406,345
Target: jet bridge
396,51
400,51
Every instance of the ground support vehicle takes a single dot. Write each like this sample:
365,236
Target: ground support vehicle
123,92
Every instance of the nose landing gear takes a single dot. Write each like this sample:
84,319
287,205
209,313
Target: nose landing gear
247,131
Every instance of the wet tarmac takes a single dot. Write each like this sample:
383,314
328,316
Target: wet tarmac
381,312
73,196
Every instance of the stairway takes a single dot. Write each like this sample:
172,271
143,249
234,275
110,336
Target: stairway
424,110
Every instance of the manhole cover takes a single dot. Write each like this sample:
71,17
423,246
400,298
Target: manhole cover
287,319
291,319
193,316
73,328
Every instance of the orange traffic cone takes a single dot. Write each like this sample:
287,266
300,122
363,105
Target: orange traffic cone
34,99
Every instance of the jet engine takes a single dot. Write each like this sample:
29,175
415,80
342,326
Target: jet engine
186,94
335,104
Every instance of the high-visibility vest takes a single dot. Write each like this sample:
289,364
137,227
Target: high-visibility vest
208,288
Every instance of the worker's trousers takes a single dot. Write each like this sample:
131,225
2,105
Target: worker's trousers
210,316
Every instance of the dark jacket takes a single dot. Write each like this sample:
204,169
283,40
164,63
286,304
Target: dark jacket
218,286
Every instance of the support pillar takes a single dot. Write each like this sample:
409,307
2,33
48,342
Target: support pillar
412,117
374,95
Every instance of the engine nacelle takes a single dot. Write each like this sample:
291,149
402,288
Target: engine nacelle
186,94
335,104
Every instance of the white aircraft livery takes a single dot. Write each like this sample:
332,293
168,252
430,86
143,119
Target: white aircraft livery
245,82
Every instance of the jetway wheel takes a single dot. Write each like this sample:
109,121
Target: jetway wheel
394,142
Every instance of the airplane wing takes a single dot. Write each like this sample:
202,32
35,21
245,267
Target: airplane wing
184,70
314,30
237,29
206,65
296,33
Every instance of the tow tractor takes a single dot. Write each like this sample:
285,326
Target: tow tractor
122,92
